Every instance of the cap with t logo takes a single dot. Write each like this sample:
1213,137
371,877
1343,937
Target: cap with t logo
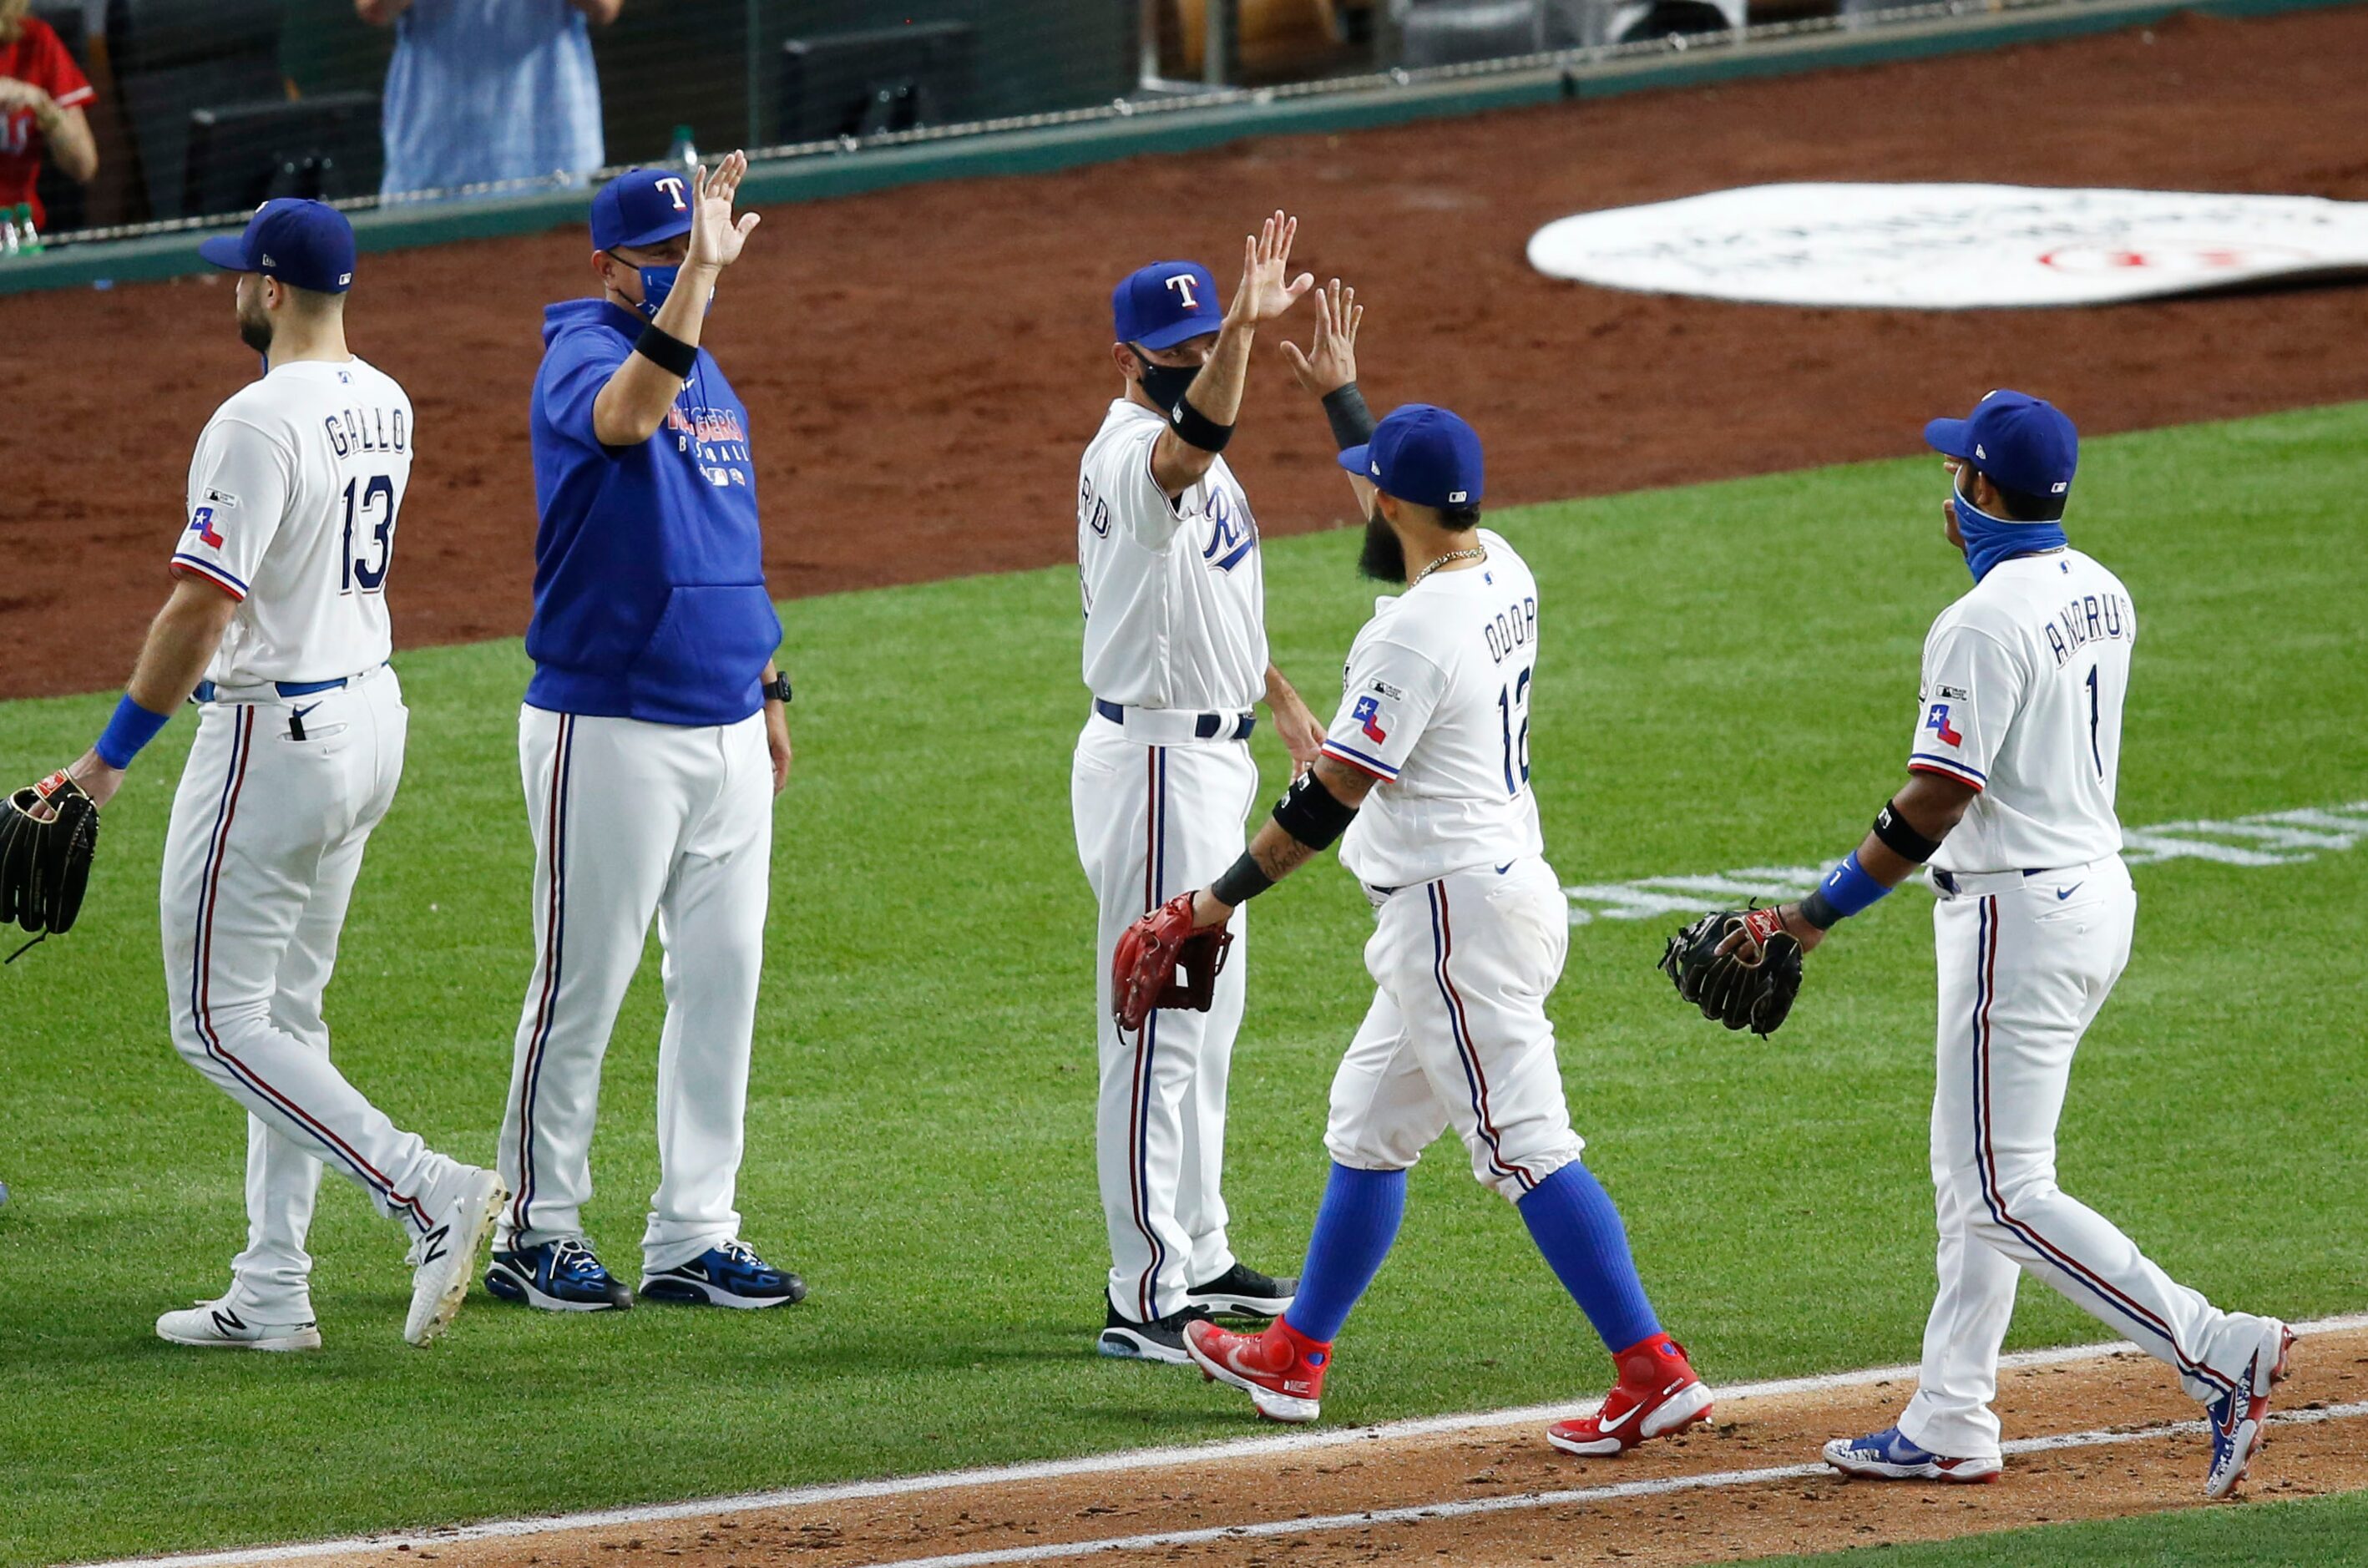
1162,305
642,207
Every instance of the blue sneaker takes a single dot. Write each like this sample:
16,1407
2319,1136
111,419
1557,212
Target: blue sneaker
1887,1456
2238,1414
558,1277
727,1276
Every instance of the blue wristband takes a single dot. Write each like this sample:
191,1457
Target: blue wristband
1850,889
132,728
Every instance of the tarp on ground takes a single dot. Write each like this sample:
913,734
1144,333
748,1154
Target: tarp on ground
1950,247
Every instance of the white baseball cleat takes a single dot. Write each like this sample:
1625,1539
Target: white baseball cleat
444,1258
2237,1416
221,1325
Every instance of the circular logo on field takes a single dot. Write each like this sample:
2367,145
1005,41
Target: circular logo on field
1952,248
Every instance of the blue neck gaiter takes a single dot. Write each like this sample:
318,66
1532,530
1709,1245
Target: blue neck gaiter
1989,541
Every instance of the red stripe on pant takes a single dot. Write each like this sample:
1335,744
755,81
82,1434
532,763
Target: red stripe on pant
554,935
1443,943
1986,1155
201,988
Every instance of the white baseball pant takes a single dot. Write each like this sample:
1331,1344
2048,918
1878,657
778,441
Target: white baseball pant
634,820
2025,963
1152,822
1457,1035
264,843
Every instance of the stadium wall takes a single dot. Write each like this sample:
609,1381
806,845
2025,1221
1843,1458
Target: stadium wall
1041,150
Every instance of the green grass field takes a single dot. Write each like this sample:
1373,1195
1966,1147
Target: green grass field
2326,1532
1728,680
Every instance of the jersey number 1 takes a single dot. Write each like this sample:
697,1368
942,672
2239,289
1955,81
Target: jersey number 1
354,571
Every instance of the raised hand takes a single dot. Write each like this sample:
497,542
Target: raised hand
715,239
1268,289
1330,362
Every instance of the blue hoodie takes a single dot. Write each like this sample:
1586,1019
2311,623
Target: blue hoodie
649,563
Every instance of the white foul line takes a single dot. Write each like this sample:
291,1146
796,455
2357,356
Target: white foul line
1095,1464
1426,1513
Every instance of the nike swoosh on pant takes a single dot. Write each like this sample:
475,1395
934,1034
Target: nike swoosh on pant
2063,893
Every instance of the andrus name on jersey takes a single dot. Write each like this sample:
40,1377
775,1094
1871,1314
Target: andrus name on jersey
2087,619
368,431
1515,626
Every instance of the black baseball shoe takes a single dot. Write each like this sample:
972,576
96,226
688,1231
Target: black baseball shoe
557,1277
1161,1339
727,1276
1242,1291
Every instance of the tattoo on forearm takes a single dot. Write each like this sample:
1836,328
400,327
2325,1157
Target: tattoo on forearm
1278,853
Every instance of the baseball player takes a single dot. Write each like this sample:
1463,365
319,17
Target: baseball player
1175,655
2009,798
278,629
653,740
1426,770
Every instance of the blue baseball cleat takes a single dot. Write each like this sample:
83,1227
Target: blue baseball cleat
2238,1414
557,1277
727,1276
1887,1456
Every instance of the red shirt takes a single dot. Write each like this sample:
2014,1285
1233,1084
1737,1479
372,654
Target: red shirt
37,56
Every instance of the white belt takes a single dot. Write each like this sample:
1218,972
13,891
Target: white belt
1983,884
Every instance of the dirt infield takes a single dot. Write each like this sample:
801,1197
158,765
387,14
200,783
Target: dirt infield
922,366
2087,1439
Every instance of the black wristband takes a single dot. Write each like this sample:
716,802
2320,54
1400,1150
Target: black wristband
778,689
1819,912
1195,429
667,351
1240,883
1313,814
1352,422
1894,832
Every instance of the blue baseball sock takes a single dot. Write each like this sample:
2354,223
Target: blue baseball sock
1354,1229
1572,1220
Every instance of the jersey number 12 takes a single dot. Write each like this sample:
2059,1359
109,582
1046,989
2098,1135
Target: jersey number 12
1513,708
362,570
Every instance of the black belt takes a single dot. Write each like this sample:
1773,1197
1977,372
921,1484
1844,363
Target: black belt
1205,726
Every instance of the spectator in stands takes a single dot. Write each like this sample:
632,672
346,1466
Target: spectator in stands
42,92
489,90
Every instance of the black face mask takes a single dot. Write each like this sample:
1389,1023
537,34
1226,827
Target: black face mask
1164,384
1384,558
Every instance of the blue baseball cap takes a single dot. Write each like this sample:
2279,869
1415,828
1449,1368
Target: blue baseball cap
307,244
1161,305
642,207
2020,441
1423,454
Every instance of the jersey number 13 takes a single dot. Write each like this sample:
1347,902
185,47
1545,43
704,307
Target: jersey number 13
366,568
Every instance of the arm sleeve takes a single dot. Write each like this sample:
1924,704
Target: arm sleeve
1973,688
239,485
58,75
1385,704
581,364
1122,477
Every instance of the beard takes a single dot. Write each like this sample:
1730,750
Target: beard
1382,558
255,331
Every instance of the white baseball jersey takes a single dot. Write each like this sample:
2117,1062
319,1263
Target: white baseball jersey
1174,599
1436,705
293,496
2023,680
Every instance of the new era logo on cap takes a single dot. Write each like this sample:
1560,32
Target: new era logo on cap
2021,442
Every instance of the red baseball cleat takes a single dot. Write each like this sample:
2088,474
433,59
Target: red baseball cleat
1282,1369
1656,1394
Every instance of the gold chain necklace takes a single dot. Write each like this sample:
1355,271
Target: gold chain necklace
1476,553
